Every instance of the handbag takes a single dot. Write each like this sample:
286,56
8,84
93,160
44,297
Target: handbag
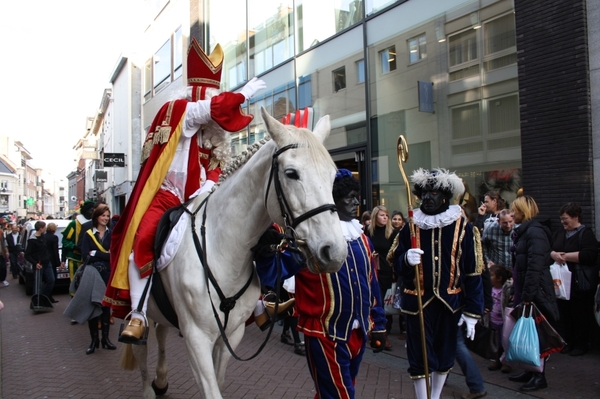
586,277
550,340
561,277
485,343
523,343
388,301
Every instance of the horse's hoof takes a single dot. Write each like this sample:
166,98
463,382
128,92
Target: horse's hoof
159,391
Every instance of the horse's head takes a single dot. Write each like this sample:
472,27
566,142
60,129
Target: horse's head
301,188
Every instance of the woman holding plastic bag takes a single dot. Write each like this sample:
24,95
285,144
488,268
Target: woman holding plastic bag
531,274
576,246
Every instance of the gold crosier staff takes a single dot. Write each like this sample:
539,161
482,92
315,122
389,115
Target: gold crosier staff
402,150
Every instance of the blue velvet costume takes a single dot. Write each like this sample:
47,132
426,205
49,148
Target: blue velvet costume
451,284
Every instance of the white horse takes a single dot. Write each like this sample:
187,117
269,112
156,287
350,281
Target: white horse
238,212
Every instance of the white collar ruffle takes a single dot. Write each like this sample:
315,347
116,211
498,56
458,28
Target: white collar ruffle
352,229
428,222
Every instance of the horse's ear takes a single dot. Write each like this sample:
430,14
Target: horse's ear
322,128
275,128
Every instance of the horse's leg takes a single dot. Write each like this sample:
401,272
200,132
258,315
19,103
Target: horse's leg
198,345
141,354
221,354
160,383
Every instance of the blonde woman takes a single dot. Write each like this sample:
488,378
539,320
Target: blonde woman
531,274
382,236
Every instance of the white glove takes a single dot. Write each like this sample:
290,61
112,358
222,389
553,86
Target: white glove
252,87
471,321
413,256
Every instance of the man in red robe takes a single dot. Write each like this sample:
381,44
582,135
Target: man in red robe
185,146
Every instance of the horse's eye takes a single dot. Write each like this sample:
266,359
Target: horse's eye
292,174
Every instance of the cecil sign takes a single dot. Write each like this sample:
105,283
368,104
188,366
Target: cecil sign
114,159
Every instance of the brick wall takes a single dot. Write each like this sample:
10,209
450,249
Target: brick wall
554,91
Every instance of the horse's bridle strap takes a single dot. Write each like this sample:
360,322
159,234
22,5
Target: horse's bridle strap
282,200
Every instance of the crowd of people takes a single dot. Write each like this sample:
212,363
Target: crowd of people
452,263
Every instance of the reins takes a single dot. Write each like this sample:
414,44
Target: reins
228,303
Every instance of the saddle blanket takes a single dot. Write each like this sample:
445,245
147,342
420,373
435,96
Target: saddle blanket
171,245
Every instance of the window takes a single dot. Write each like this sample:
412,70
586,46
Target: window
388,59
339,79
463,47
500,34
417,49
148,80
177,54
504,115
466,121
360,71
304,92
162,64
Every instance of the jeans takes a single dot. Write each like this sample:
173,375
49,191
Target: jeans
473,378
47,274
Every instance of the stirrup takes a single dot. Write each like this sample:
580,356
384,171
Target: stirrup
132,340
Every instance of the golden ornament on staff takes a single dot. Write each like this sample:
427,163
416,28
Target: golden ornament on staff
402,149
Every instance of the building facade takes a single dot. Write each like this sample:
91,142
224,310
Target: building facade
499,91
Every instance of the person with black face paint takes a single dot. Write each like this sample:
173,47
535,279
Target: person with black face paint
449,250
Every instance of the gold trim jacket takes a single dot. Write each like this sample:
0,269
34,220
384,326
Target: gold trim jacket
451,267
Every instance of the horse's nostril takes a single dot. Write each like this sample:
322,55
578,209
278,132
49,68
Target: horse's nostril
325,253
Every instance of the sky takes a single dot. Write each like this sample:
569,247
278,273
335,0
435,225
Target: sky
57,58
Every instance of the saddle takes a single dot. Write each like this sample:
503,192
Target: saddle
165,225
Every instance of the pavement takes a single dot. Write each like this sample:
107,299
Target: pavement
43,356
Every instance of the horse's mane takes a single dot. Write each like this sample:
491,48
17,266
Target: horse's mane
303,137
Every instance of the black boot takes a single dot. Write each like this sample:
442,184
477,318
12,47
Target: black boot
93,326
523,377
105,319
538,381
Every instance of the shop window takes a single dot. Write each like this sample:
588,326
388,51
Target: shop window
388,59
360,71
339,79
417,49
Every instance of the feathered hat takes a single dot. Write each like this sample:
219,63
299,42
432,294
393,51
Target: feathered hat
439,179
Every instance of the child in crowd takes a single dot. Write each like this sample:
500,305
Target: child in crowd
499,275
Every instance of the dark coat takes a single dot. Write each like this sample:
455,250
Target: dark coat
532,278
52,245
584,242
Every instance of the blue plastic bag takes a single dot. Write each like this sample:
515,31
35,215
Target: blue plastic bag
523,343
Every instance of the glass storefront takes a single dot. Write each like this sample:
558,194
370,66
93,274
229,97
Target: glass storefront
445,78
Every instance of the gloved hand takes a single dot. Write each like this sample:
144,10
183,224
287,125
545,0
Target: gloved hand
252,87
270,238
470,325
377,341
413,256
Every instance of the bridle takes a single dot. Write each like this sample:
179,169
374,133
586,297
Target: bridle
228,303
286,213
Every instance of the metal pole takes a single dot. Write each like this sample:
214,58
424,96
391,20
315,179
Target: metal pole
402,149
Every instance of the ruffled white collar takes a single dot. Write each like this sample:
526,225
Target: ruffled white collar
352,229
428,222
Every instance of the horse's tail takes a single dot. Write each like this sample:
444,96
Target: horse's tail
128,361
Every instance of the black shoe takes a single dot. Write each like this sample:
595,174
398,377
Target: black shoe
53,300
577,352
566,349
287,339
523,377
299,349
538,381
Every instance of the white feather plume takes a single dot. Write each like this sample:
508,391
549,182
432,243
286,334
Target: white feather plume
440,179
